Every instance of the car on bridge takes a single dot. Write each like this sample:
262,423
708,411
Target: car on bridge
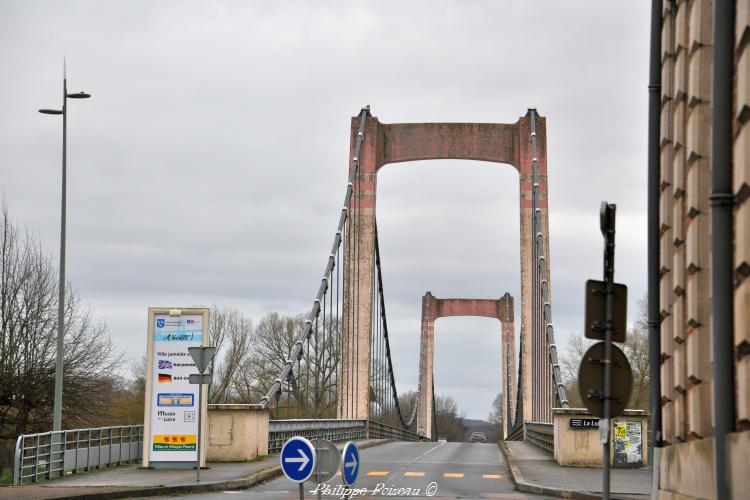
478,437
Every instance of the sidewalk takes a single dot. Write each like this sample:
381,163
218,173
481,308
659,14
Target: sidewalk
129,481
534,471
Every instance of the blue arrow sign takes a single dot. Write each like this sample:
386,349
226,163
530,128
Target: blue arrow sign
350,463
298,459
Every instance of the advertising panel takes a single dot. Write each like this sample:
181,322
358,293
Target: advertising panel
628,444
171,401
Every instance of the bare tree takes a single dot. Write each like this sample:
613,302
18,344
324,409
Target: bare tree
496,413
449,418
231,332
311,391
28,332
635,349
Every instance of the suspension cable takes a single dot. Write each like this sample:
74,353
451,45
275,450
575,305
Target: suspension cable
542,272
276,387
386,341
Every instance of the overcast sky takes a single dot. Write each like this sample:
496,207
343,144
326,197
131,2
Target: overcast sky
210,164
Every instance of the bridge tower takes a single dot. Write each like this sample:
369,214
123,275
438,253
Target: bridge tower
522,145
434,308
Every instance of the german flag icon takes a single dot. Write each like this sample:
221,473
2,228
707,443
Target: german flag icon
165,377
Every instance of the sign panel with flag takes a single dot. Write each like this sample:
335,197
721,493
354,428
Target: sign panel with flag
172,403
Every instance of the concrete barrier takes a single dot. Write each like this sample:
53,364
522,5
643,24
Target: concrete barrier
577,439
236,432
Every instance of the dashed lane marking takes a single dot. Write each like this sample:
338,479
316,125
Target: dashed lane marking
453,474
378,473
492,476
414,474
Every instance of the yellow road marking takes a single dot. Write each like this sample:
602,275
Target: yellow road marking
492,476
378,473
453,474
414,474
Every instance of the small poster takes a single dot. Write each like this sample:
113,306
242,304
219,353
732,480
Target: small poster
173,429
628,444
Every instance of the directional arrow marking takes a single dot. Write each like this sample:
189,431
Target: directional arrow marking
302,460
352,464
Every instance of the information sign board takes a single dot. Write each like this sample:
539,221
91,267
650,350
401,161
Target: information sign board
171,425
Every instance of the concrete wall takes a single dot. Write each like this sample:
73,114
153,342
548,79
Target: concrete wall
581,447
236,432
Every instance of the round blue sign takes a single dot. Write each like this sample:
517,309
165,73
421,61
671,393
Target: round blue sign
350,463
298,459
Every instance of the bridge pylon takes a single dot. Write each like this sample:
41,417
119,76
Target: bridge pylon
522,145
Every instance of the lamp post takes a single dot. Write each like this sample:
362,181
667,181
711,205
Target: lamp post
57,415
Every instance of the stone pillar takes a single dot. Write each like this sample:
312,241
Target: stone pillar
359,273
508,364
426,357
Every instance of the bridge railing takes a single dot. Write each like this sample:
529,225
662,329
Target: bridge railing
379,430
336,431
47,455
542,435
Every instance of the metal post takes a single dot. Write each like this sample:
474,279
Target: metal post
57,413
654,317
608,230
198,441
722,200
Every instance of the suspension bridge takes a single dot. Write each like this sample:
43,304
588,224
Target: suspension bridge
343,356
338,379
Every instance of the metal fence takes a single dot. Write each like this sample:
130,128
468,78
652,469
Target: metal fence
52,454
516,434
542,435
385,431
336,431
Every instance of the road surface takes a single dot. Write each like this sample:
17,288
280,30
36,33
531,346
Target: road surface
419,470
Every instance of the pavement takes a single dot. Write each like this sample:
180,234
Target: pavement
535,471
393,469
405,470
129,481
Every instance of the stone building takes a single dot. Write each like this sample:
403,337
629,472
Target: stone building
687,459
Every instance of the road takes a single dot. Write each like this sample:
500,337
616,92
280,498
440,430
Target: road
447,470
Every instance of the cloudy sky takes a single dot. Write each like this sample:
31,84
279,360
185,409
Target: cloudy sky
210,164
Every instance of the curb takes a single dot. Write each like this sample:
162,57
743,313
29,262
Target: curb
526,487
233,484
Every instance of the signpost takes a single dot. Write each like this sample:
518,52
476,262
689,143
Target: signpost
606,305
326,462
202,357
350,463
172,403
298,461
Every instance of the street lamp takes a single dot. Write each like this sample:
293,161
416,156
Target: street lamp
57,415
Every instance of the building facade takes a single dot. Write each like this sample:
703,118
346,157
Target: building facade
687,460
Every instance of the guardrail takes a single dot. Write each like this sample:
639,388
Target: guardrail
542,435
47,455
516,434
336,431
385,431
